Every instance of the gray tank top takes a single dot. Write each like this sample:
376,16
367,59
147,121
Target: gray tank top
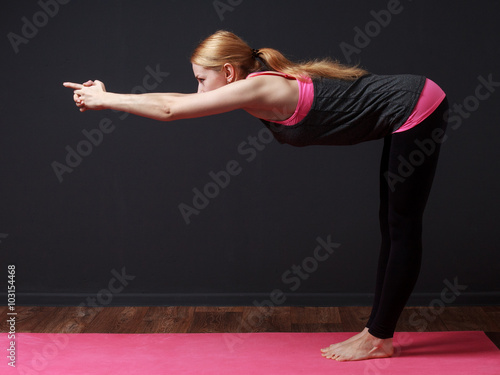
350,112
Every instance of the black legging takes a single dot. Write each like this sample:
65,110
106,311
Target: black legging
402,201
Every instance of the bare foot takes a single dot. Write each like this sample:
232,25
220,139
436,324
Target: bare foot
342,343
365,346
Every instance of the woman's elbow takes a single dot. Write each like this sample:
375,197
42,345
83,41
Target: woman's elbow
167,113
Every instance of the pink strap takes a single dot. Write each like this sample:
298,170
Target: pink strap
270,73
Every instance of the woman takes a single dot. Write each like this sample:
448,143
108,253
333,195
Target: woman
323,102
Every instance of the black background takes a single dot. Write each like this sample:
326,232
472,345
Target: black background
120,206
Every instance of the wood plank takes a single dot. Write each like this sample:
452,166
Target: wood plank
86,314
420,319
491,309
37,319
219,309
166,319
214,322
116,320
152,322
128,319
307,315
61,320
466,318
102,321
265,319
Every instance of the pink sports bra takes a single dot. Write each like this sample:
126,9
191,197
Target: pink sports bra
306,97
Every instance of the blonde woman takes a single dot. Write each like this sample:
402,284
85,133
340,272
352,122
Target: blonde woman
322,102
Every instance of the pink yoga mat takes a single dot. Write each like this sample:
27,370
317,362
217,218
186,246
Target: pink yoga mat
240,354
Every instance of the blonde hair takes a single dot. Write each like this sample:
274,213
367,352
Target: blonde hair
225,47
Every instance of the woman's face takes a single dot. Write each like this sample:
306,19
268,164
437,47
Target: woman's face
209,79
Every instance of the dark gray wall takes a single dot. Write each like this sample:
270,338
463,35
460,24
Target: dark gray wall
118,212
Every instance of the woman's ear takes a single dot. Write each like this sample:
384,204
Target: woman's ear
229,72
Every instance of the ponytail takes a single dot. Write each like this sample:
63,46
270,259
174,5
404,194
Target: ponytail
225,47
313,68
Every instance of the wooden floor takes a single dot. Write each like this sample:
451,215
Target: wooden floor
181,319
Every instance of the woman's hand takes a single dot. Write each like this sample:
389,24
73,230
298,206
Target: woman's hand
89,95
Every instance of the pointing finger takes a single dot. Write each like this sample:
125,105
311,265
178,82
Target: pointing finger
72,85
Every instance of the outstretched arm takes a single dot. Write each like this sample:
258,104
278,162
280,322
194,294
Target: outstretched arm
92,95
